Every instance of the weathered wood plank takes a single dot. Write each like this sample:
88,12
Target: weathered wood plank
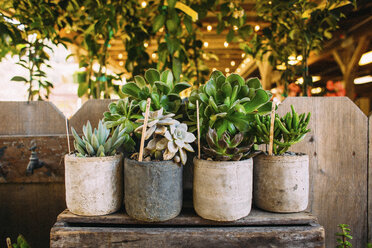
369,210
31,118
31,210
337,148
188,217
91,110
15,156
195,237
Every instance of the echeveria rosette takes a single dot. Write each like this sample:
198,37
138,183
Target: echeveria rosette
178,141
157,123
227,103
162,88
227,147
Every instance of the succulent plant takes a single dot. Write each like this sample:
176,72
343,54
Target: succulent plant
227,103
170,139
160,87
157,123
97,143
227,147
288,130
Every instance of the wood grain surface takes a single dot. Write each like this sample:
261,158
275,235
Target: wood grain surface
338,150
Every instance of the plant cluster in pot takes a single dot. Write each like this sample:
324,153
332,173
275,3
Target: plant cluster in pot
153,188
222,186
281,181
93,174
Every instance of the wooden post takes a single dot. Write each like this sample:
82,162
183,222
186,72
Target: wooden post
271,144
198,124
144,129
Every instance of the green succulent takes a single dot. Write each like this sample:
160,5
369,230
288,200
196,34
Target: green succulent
122,113
160,87
97,143
288,130
228,147
228,103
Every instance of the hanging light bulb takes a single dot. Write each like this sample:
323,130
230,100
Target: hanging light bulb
145,44
121,63
226,44
120,56
209,28
232,63
206,44
227,69
143,4
256,28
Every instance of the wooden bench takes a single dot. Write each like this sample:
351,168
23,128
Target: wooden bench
258,229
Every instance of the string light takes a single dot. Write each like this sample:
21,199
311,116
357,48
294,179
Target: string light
209,28
121,63
235,27
226,44
238,70
243,55
206,44
232,63
256,28
227,69
143,4
145,44
153,55
120,56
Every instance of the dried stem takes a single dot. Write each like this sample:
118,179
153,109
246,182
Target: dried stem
140,156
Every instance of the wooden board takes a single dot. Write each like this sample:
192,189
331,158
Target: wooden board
188,217
15,156
31,210
337,147
194,237
370,180
31,118
91,110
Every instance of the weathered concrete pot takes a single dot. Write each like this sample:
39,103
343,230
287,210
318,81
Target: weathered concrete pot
94,185
281,183
222,190
153,190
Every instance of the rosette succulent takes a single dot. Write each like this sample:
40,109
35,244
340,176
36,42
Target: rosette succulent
160,87
227,103
170,139
227,147
157,123
97,143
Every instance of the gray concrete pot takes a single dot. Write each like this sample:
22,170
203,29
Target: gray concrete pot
222,190
94,185
153,190
281,183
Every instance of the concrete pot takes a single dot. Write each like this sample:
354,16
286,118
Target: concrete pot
94,185
222,190
281,183
153,190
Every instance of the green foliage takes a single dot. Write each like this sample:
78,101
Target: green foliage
227,147
97,143
160,87
34,58
21,243
227,103
344,235
288,130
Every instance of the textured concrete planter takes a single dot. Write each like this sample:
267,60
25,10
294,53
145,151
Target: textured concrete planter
153,190
222,191
94,185
281,183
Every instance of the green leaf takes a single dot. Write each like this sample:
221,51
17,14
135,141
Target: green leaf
226,88
152,75
171,3
131,89
171,26
167,78
19,79
140,81
230,36
179,87
254,83
83,89
188,23
158,23
258,100
177,68
210,89
235,78
163,87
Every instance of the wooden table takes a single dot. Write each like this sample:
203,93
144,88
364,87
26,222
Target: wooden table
258,229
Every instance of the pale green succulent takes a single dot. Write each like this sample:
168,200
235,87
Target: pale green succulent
157,123
97,143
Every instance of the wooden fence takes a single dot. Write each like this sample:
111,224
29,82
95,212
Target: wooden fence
340,169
